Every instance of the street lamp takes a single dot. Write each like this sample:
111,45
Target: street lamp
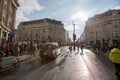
74,35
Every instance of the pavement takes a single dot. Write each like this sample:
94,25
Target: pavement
23,57
26,56
106,54
74,66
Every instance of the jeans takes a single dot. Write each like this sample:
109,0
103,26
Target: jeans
117,70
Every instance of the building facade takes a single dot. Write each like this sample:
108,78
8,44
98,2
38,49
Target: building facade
82,38
103,28
7,18
41,31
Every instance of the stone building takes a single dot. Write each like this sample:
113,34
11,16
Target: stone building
103,28
7,18
82,38
41,31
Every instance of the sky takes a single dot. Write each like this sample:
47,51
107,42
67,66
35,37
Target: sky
67,11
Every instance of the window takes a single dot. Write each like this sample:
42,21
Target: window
118,12
43,30
5,9
116,26
116,34
0,5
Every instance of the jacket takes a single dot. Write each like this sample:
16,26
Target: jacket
115,55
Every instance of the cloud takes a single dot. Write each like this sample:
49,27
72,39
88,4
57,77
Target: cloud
27,7
117,7
80,15
61,2
70,29
20,16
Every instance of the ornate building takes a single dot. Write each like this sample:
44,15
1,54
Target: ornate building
7,18
41,31
103,28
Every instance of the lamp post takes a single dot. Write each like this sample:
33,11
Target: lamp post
74,35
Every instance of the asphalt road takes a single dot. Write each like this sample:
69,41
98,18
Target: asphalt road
68,66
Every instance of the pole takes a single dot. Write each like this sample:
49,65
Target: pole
74,34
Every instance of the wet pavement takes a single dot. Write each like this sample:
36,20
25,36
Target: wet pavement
25,67
68,66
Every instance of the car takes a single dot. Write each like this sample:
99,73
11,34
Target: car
49,51
8,62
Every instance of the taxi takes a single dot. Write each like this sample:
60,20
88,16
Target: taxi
49,51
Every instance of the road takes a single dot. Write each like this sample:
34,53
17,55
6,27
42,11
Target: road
68,66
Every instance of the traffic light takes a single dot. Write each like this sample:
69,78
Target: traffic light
74,36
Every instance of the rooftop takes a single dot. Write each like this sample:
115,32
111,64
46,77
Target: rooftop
41,21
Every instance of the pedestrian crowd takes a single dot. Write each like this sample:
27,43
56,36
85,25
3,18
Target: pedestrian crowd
97,48
78,45
11,49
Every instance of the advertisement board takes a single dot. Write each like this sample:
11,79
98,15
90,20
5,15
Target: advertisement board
8,61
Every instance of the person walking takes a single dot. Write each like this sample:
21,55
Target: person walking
33,51
16,49
13,49
78,46
3,49
70,49
8,49
95,48
114,56
82,49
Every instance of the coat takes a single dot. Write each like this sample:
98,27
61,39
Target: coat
115,55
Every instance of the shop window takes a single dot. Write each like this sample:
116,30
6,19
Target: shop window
4,34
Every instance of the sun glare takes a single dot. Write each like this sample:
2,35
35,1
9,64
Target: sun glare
83,16
80,15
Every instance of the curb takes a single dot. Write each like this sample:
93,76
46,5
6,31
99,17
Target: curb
26,58
20,59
